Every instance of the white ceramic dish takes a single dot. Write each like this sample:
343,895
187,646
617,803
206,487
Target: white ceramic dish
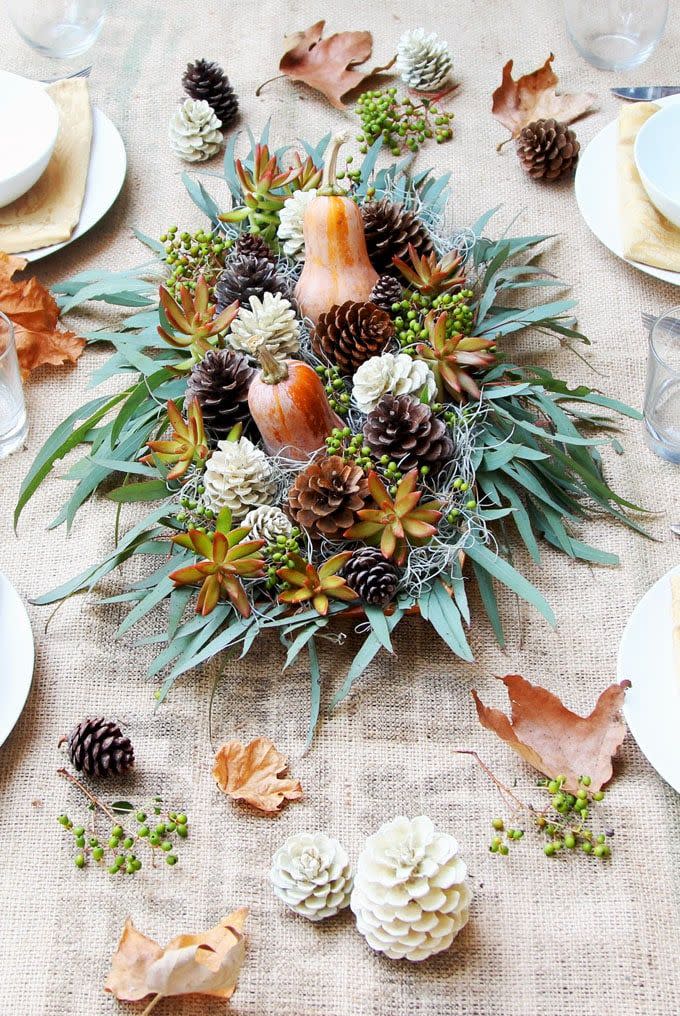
652,705
16,668
105,176
657,157
597,193
29,123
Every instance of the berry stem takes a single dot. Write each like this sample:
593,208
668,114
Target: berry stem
88,793
152,1004
515,802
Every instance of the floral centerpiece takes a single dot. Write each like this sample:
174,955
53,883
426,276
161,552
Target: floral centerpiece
325,412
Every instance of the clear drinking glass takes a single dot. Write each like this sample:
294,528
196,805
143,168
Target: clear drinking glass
662,398
615,34
58,28
13,423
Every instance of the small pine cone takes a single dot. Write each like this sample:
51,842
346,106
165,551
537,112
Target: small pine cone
252,243
206,80
247,275
547,150
220,383
194,131
408,431
326,496
311,874
387,290
389,229
371,576
423,60
98,747
352,333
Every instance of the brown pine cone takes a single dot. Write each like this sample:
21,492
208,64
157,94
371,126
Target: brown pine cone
220,383
352,333
98,747
247,275
206,80
387,291
408,431
547,150
372,577
389,229
252,243
326,495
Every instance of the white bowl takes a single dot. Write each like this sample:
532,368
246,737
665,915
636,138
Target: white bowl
29,123
657,157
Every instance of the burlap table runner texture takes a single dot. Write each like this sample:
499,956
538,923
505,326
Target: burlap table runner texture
545,938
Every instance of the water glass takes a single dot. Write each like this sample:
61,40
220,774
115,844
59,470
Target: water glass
662,398
615,35
58,28
13,424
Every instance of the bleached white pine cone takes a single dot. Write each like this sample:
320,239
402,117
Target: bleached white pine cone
311,874
267,522
424,61
397,373
410,898
194,131
270,319
291,218
238,476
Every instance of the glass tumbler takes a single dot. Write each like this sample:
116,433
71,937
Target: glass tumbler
13,423
58,28
615,34
662,397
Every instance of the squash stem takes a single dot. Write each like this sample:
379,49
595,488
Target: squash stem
329,181
273,370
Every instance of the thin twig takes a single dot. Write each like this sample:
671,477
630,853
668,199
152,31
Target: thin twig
152,1004
515,801
88,794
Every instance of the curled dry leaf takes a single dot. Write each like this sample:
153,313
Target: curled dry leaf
533,97
35,316
553,739
328,65
252,773
204,964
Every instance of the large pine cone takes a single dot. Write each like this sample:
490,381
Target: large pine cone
326,495
206,80
388,290
389,230
98,747
247,275
372,577
220,384
547,150
252,243
408,431
352,333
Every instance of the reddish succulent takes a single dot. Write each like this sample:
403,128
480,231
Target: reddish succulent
191,324
396,522
318,585
187,444
429,275
450,357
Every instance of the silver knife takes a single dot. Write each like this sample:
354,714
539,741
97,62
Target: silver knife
646,93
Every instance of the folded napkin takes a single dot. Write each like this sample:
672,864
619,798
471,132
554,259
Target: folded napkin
49,212
648,236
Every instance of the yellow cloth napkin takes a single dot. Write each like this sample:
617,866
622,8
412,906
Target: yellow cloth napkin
648,236
49,212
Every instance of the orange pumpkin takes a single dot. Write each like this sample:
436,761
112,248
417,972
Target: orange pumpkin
337,267
288,403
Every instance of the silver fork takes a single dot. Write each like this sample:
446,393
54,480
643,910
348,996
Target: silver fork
84,72
675,528
650,319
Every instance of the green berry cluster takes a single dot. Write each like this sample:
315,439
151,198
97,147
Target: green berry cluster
117,852
336,390
351,447
409,315
403,124
278,555
190,255
462,487
461,317
563,824
193,513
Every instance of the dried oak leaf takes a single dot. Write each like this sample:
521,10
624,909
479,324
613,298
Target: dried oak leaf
533,97
35,316
204,964
328,65
553,739
252,773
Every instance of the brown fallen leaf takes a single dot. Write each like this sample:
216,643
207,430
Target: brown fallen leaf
328,65
204,964
251,773
553,739
35,316
533,97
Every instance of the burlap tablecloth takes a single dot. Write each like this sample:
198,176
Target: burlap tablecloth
545,938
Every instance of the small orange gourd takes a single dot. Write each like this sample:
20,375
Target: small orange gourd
288,404
337,267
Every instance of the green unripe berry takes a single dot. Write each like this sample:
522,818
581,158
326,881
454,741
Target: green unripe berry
113,842
598,795
79,860
171,859
128,842
549,849
79,831
182,819
154,839
98,853
118,831
166,845
570,841
587,847
498,824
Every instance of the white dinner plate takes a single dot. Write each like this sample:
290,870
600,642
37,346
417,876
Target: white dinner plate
16,663
652,705
105,178
597,194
